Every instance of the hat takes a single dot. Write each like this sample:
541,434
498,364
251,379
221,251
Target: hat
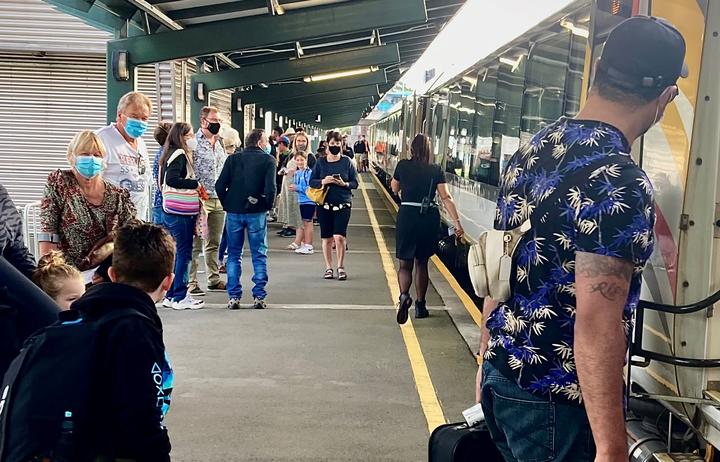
284,140
289,131
644,53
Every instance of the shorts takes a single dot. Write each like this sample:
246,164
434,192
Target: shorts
333,222
307,211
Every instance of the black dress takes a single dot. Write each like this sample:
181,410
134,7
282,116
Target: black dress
416,233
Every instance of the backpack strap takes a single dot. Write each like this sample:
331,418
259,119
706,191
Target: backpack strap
565,186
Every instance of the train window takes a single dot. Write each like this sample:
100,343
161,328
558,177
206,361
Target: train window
576,71
486,166
440,129
454,161
544,96
509,96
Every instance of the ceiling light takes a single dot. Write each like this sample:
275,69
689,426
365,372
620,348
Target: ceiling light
298,49
512,63
576,30
337,75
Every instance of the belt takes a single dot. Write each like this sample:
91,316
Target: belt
418,204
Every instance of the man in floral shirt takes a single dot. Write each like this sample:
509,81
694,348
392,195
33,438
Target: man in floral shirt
209,158
551,384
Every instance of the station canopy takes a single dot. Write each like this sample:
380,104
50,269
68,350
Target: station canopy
301,58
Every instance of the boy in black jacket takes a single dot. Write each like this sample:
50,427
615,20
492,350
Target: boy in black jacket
135,375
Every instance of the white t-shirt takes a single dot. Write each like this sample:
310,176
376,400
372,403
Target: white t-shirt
127,168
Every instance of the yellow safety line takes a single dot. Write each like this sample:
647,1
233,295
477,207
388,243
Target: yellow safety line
426,391
467,302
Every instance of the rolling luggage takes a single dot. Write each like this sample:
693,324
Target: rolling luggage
457,442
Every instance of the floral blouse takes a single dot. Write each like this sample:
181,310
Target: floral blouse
80,224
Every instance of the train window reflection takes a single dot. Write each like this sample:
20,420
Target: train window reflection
486,166
509,95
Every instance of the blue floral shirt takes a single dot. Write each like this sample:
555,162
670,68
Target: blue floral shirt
611,212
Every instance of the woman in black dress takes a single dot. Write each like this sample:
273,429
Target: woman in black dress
418,222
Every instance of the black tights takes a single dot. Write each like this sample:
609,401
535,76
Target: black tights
422,278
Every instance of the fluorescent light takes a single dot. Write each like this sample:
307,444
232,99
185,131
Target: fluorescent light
576,30
341,74
512,63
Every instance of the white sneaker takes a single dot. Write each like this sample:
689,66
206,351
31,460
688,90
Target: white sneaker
306,249
188,303
167,303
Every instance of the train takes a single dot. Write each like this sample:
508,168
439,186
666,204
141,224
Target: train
480,117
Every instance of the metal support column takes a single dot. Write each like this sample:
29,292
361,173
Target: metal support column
237,114
196,104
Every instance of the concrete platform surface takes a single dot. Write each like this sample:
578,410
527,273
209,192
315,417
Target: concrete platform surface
323,374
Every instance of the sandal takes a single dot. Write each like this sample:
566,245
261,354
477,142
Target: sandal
329,274
403,307
342,275
293,246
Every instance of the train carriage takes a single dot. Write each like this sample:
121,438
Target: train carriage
478,119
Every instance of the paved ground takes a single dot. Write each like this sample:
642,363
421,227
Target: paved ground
323,374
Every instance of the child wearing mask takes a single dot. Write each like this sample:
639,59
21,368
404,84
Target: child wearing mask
307,207
62,282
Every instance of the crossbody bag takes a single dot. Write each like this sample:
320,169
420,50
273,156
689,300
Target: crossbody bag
178,201
490,260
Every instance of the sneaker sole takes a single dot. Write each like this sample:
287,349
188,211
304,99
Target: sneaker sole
197,294
217,290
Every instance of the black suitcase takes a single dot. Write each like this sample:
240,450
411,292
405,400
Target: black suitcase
456,442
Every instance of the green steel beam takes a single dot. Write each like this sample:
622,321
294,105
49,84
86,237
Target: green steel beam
332,97
291,91
98,16
257,31
288,69
357,104
302,67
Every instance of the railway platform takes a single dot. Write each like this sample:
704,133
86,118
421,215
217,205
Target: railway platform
325,373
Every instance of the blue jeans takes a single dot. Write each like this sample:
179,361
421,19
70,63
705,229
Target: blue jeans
256,225
158,216
182,229
529,428
222,250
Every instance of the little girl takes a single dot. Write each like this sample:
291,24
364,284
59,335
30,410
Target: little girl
62,282
307,206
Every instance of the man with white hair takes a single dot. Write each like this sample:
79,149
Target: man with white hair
127,156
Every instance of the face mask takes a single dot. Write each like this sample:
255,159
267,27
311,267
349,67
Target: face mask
267,149
301,146
88,166
192,144
334,150
213,127
135,128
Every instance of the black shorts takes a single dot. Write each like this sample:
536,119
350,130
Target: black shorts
333,222
416,235
307,211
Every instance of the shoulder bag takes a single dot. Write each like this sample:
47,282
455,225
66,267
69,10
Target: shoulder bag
317,195
490,260
177,201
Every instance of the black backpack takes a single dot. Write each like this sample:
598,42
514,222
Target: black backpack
46,396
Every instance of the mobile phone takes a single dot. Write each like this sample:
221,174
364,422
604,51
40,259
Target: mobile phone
336,176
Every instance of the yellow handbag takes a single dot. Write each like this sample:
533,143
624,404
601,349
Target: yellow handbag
317,195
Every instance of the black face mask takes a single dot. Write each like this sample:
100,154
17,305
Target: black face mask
213,127
334,150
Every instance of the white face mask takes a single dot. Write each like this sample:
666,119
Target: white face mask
192,144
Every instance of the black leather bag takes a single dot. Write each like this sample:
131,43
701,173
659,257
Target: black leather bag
456,442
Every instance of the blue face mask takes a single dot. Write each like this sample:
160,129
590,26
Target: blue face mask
88,166
135,128
267,148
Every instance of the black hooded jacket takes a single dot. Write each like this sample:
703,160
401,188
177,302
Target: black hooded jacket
135,376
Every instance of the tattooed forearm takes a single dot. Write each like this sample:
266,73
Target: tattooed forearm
610,290
600,266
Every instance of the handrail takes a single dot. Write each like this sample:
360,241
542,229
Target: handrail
638,350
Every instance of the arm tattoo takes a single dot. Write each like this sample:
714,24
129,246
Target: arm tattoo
609,290
596,266
607,276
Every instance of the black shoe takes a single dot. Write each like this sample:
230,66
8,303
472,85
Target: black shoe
281,232
403,307
421,310
288,233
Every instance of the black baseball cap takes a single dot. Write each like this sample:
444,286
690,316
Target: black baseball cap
644,53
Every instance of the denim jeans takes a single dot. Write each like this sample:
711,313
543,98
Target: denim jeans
158,216
182,228
222,250
256,225
529,428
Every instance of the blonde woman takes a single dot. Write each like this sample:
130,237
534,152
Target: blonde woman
79,209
